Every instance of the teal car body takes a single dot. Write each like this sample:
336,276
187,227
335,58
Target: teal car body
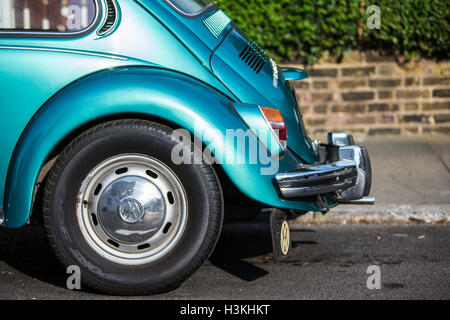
153,63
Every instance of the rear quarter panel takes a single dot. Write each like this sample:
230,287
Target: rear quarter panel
28,80
137,90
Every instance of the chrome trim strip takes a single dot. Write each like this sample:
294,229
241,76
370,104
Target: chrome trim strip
338,168
363,201
102,55
205,10
2,218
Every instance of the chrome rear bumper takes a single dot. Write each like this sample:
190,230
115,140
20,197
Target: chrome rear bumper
314,180
346,172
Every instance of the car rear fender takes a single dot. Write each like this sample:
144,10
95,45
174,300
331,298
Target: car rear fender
160,93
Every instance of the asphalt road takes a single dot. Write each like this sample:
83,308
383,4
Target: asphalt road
327,262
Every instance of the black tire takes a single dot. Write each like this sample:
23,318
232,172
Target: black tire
204,204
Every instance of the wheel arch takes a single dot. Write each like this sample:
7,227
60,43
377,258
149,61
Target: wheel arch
65,141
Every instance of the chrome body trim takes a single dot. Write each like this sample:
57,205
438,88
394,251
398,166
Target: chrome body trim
349,174
358,155
363,201
205,10
340,139
102,55
317,179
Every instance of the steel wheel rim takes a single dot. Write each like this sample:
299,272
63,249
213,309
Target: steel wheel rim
132,209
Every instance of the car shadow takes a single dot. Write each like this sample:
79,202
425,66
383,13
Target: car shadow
27,251
242,248
243,245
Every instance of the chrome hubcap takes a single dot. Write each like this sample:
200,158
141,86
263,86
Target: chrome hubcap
132,209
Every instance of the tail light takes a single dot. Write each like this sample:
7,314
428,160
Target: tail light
276,122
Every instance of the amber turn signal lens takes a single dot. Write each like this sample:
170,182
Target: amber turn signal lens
276,122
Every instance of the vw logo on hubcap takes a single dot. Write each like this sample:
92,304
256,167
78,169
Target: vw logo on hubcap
131,210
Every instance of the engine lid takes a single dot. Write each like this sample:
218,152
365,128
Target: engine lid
255,78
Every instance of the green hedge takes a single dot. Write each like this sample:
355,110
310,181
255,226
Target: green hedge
306,30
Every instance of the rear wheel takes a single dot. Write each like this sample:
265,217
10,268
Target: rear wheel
118,207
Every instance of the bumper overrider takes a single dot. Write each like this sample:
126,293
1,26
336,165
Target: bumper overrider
345,171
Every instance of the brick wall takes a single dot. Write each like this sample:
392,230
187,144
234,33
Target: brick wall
370,95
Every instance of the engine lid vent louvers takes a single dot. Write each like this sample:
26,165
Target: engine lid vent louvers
217,23
254,56
111,18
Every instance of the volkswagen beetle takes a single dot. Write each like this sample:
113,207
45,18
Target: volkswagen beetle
116,119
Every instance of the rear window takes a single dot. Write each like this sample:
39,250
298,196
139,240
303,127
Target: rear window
47,15
191,7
